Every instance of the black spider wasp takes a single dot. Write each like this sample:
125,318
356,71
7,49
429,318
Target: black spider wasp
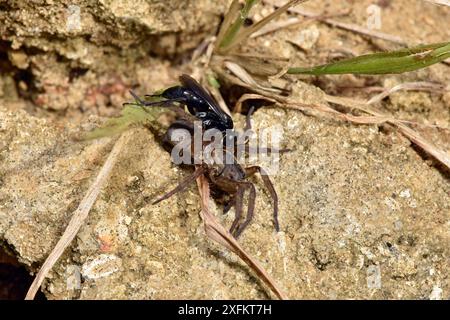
228,177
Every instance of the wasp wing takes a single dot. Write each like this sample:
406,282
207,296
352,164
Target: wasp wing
192,84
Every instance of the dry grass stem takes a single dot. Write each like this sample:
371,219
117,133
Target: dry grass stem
440,155
342,25
374,117
242,74
218,97
216,232
421,86
250,96
257,56
78,216
277,26
440,2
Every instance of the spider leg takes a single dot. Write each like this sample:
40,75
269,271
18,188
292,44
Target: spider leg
245,144
248,126
275,150
250,209
267,150
248,148
229,205
248,123
252,170
182,185
238,200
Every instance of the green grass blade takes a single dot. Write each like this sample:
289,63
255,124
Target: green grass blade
230,16
131,114
232,31
246,32
400,61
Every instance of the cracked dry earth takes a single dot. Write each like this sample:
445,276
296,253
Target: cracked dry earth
363,214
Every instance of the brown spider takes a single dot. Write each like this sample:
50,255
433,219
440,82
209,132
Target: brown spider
228,178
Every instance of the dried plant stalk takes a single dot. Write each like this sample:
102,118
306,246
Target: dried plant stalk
249,96
242,74
275,26
374,117
440,2
78,217
215,92
342,25
421,85
411,134
216,232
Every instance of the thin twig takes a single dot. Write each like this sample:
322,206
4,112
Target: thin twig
420,85
250,96
78,216
411,134
242,74
342,25
375,117
215,92
289,22
440,2
274,26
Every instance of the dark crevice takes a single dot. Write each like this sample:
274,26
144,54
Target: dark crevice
27,77
14,278
232,93
32,51
20,76
5,64
76,73
5,6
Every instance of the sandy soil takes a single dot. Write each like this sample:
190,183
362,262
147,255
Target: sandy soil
364,214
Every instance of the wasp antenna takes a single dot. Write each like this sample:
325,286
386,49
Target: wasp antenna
136,97
146,103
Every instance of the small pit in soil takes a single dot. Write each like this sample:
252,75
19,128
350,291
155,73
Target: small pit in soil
14,279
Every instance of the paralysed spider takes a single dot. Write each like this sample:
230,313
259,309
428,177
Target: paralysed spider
228,177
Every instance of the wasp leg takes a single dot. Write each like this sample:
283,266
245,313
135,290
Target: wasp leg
154,103
252,170
182,185
250,209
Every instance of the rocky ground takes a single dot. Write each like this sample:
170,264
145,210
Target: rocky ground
364,214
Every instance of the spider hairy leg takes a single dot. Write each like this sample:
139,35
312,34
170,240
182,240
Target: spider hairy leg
182,185
269,186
